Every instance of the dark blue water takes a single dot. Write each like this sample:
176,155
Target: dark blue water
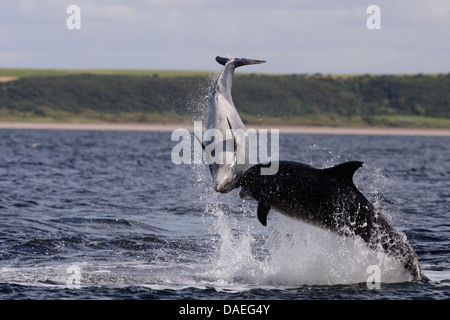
107,215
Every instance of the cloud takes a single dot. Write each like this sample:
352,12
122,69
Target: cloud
294,36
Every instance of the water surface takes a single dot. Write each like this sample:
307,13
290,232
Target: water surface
136,226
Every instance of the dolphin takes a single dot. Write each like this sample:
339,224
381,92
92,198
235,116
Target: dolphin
329,199
222,124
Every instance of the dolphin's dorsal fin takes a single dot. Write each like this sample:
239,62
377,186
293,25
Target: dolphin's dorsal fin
344,171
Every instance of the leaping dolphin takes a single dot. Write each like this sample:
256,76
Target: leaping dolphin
329,199
224,118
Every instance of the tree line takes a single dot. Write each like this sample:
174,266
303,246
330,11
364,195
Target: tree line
253,94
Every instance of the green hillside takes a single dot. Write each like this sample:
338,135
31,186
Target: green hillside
180,96
25,73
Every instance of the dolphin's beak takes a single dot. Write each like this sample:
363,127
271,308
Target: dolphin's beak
218,188
226,186
222,188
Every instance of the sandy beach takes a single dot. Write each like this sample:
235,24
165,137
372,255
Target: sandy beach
171,127
7,79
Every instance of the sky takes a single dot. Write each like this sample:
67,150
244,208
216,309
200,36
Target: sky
294,36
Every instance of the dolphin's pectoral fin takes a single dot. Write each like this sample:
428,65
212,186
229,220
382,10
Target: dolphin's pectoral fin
263,211
234,139
200,141
229,124
208,160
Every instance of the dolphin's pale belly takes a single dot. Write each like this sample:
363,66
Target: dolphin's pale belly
223,120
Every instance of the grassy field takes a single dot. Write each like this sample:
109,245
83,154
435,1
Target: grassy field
23,73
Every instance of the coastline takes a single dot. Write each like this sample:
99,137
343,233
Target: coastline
171,127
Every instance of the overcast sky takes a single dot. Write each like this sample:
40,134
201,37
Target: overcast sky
298,36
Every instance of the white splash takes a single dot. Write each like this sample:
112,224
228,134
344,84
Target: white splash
292,253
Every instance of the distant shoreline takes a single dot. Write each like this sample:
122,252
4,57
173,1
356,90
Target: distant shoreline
171,127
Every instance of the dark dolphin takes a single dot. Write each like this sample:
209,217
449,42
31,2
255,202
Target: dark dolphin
329,199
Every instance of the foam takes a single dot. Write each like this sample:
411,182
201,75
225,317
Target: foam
292,253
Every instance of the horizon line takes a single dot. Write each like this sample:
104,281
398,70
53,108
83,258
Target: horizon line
154,71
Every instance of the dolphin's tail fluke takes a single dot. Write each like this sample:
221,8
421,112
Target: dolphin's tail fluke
237,62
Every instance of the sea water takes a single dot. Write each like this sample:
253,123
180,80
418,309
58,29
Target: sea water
107,215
